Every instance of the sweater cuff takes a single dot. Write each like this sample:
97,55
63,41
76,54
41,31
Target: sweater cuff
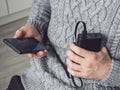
113,78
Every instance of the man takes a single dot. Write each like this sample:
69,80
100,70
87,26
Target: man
56,19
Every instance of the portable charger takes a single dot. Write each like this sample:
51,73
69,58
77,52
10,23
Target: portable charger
88,41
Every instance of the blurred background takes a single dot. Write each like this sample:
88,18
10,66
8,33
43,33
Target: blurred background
13,15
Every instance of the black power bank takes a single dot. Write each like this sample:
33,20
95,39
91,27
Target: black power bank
93,42
88,41
26,45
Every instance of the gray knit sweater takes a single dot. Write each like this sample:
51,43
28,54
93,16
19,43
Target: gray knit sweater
57,20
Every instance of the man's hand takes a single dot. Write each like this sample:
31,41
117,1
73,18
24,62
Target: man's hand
88,64
28,32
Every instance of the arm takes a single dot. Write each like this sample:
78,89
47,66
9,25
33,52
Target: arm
37,24
113,78
39,16
95,66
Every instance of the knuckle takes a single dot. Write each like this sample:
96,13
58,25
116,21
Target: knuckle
85,75
94,57
68,52
67,61
71,55
78,50
89,66
22,27
16,32
75,74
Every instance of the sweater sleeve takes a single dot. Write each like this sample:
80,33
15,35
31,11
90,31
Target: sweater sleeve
39,15
113,78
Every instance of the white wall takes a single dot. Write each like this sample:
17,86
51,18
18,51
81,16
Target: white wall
11,10
3,8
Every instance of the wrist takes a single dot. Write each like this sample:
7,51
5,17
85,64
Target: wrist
107,69
104,69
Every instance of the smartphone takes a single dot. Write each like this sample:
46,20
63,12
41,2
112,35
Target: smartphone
25,45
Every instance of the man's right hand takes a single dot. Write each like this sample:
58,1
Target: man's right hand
29,31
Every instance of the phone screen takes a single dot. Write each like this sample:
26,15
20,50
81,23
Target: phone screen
22,46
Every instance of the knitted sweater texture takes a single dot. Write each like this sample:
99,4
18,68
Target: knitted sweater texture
57,20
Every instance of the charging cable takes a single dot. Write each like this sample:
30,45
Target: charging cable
84,36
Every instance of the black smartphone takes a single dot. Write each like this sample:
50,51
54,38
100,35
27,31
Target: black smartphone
25,45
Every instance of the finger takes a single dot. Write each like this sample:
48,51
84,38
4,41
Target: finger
18,34
104,50
41,54
78,67
79,51
78,73
73,66
30,55
75,58
24,32
73,72
39,38
38,54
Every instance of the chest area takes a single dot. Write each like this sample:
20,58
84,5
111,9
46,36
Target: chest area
99,16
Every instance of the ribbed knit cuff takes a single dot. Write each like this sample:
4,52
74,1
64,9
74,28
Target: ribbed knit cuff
113,78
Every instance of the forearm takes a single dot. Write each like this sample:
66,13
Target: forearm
113,78
39,15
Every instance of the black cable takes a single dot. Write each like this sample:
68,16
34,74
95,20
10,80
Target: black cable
73,80
84,36
84,32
